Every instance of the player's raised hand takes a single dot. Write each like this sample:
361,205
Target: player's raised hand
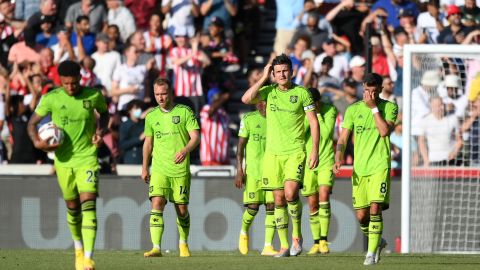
267,70
180,156
239,179
44,145
313,161
337,166
145,176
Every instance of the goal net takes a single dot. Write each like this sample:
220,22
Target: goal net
440,158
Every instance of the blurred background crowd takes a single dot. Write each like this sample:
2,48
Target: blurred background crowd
212,50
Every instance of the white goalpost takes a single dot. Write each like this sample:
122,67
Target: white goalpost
440,202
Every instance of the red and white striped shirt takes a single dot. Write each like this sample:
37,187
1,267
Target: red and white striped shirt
214,137
160,46
187,79
6,31
87,78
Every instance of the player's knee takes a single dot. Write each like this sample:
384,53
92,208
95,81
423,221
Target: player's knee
313,208
363,216
253,207
375,209
182,210
270,207
158,203
73,204
291,195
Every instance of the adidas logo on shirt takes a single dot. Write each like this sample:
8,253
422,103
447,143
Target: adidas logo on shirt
63,107
258,126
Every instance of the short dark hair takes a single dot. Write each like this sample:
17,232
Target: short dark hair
373,79
81,18
163,81
315,94
282,59
69,68
134,103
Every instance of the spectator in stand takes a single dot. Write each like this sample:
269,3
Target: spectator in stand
82,29
346,18
214,128
88,78
407,21
18,114
218,50
158,43
328,85
471,129
188,62
421,98
301,45
142,10
349,96
47,38
131,133
357,70
62,8
93,9
122,17
387,90
287,12
114,41
64,50
379,58
106,61
396,141
442,135
309,6
223,9
430,22
340,61
393,7
7,40
137,39
21,52
470,8
455,101
19,79
311,30
47,8
128,81
48,67
7,9
182,14
447,35
24,9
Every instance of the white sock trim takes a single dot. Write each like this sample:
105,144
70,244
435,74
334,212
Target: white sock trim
78,244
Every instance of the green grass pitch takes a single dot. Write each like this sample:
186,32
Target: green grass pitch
118,260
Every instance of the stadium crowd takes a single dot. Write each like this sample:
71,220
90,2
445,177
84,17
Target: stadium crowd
203,47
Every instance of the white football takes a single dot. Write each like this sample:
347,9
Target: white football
51,132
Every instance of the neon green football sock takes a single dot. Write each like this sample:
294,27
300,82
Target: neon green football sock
89,226
183,224
74,220
247,219
375,232
295,211
156,227
281,220
269,227
324,216
315,226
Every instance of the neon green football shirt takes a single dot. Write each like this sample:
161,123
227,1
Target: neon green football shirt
285,116
254,127
326,119
170,135
372,152
75,115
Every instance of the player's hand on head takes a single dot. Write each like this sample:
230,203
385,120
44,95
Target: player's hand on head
239,179
369,99
180,156
267,70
